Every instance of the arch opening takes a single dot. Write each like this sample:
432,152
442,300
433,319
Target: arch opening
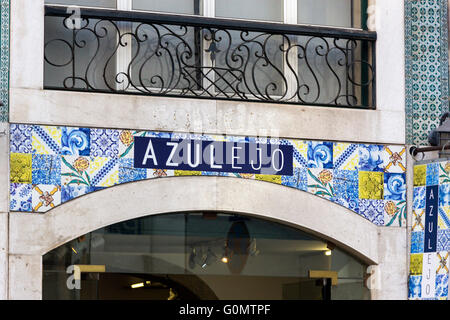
201,255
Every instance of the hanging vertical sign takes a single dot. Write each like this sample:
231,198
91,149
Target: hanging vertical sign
431,218
430,242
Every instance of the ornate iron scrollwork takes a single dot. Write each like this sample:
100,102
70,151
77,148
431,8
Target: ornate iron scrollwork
112,54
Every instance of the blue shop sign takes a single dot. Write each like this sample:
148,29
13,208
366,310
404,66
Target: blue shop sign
215,156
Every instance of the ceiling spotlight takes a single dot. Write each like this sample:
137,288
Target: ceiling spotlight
328,253
224,259
137,285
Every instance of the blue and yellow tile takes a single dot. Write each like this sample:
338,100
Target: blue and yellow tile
394,158
418,220
127,172
300,152
20,197
75,141
20,168
345,156
416,264
103,171
415,287
417,241
444,194
394,186
298,180
74,170
104,143
444,217
269,178
371,185
320,183
46,169
441,286
372,210
432,174
20,138
371,157
394,213
345,184
72,191
46,140
419,194
45,197
420,175
444,172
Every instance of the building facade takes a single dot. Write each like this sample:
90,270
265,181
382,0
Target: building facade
222,150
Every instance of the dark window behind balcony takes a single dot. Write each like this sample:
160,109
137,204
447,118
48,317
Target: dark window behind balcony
148,53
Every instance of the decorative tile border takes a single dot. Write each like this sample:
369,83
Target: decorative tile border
4,59
426,67
52,165
429,262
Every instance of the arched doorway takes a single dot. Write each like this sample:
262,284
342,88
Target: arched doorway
201,255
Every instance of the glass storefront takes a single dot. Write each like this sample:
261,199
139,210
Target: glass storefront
200,255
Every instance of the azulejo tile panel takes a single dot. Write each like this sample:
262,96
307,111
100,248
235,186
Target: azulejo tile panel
52,165
4,59
430,233
426,67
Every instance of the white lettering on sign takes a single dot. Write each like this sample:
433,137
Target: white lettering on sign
169,162
149,154
429,275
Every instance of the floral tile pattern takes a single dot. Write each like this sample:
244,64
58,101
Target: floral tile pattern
366,179
395,213
104,143
20,138
20,194
372,210
320,183
430,176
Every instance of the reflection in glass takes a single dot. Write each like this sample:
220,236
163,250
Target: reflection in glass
268,10
85,3
336,13
169,6
182,256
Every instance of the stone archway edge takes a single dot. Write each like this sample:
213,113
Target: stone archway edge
37,234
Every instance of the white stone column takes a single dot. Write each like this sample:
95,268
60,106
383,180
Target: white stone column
390,280
25,275
4,209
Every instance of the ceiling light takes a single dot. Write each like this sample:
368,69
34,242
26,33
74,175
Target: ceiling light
224,260
137,285
328,253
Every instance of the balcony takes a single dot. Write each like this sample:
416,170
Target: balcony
127,52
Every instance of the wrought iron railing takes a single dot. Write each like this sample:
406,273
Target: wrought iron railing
190,56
